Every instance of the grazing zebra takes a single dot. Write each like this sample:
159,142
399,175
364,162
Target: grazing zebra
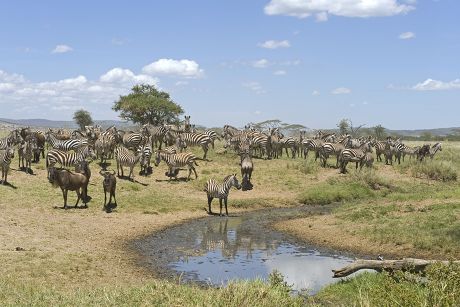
131,139
353,155
64,145
333,149
157,133
6,156
126,157
68,159
221,191
434,149
196,139
212,135
176,161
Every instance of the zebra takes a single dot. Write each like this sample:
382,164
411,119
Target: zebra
198,139
68,159
64,145
221,191
289,143
157,133
131,139
434,149
126,157
262,142
379,149
178,147
105,145
353,155
313,145
6,156
230,131
176,161
26,152
410,151
367,160
333,149
212,135
40,139
146,151
13,138
235,141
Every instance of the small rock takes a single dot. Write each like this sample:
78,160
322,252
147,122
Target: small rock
20,249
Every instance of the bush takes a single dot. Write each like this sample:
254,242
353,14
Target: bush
335,191
442,171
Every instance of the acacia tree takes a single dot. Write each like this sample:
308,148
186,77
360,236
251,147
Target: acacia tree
148,105
82,118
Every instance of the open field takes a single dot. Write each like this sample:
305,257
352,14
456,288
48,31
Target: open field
81,257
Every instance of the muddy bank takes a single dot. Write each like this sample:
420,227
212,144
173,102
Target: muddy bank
213,250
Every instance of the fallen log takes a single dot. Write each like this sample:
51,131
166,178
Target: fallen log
407,264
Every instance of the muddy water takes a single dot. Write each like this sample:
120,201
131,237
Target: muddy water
215,250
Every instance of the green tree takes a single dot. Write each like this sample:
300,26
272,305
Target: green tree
379,132
147,105
82,118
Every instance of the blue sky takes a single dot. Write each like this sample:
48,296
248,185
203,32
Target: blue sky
389,62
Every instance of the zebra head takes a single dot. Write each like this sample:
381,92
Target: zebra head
232,181
437,146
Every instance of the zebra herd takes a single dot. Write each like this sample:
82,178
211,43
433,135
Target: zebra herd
169,143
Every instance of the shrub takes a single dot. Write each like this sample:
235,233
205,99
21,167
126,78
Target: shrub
442,171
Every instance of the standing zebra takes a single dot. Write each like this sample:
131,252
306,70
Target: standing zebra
434,149
126,157
212,135
67,159
230,131
13,138
156,132
333,149
176,161
221,191
64,145
146,151
379,149
131,139
313,145
197,139
6,156
353,155
26,152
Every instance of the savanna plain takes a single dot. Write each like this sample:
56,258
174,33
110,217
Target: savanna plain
52,256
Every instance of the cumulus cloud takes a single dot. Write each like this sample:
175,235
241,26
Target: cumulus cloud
272,44
59,98
341,90
436,85
345,8
262,63
255,87
182,68
407,35
62,49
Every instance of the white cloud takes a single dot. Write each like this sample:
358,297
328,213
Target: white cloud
255,87
62,49
279,73
181,83
323,16
315,93
262,63
182,68
435,85
272,44
341,90
126,76
59,98
407,35
345,8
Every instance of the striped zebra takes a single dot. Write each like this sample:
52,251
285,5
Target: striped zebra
125,157
157,133
434,149
333,149
26,153
235,141
230,131
68,159
176,161
131,139
410,151
40,138
212,135
64,145
196,139
6,156
178,147
105,144
13,138
379,149
313,145
262,143
353,155
221,191
289,143
146,151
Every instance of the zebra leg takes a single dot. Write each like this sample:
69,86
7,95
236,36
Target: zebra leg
194,170
209,204
220,203
226,211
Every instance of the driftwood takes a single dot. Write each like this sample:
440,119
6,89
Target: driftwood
406,264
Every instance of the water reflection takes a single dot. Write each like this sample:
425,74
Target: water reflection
235,248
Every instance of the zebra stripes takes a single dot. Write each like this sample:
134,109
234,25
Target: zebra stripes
333,149
65,145
176,161
196,139
353,155
5,160
212,135
221,191
13,138
146,155
157,133
68,159
126,157
132,140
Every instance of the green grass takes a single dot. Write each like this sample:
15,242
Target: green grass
440,287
